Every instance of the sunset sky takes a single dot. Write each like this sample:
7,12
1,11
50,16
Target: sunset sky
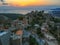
32,2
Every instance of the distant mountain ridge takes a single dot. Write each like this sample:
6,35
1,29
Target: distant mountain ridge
28,8
56,12
56,9
12,9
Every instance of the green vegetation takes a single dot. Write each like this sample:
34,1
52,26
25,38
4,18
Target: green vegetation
20,17
56,20
32,41
36,17
39,17
54,30
28,28
39,33
12,16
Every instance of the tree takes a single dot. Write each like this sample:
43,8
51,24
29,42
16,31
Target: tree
28,28
32,41
40,13
39,33
20,17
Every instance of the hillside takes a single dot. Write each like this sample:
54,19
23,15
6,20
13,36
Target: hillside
10,15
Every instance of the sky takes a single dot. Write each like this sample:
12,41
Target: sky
25,6
31,2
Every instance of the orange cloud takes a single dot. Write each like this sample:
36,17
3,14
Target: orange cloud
22,2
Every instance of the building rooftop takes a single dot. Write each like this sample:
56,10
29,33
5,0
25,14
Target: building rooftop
2,33
19,32
26,33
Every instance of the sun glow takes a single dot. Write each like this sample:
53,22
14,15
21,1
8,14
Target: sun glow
21,2
29,2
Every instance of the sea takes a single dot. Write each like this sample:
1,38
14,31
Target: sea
25,10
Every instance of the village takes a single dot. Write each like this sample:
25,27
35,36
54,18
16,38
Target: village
34,28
